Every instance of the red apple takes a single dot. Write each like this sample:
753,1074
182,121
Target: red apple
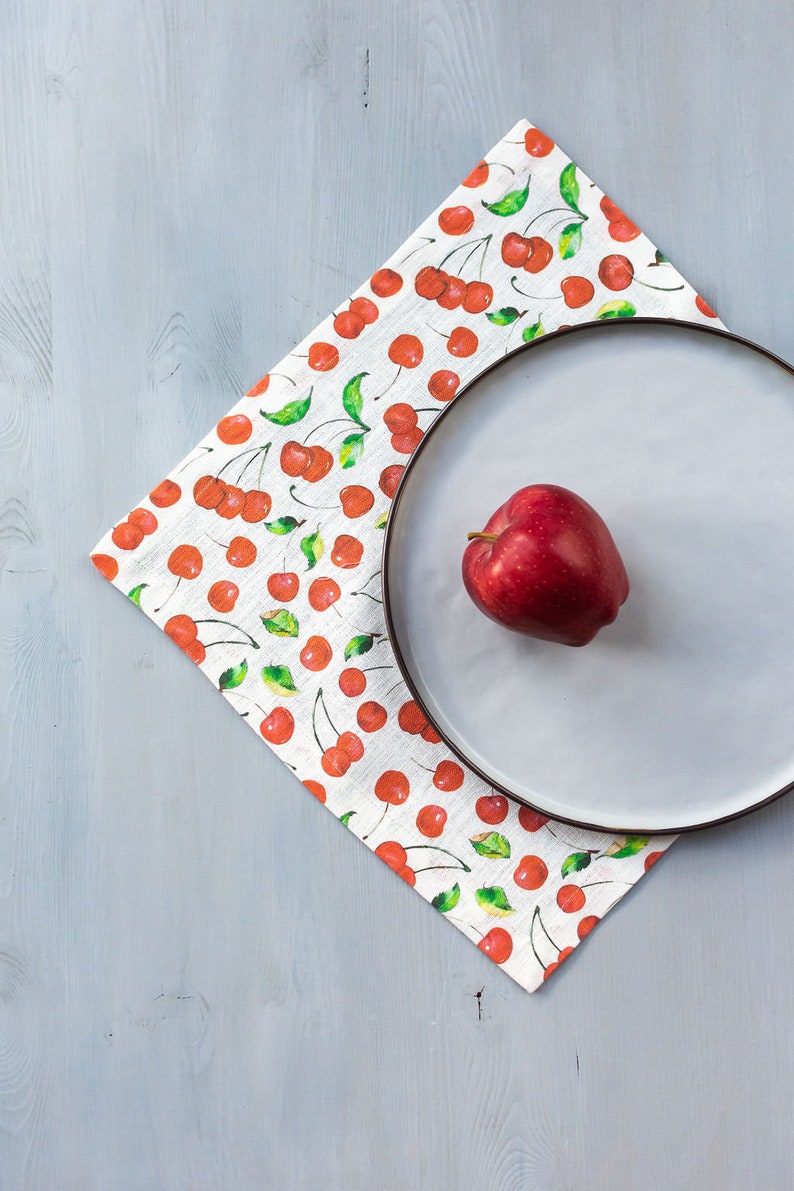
546,565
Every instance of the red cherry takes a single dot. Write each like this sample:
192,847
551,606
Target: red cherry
616,272
323,593
623,230
196,652
539,256
371,716
406,444
346,552
316,653
222,596
392,853
323,357
335,761
400,418
352,682
348,324
479,296
430,735
456,221
352,744
454,295
106,565
577,291
256,506
430,283
283,586
491,809
531,872
294,457
320,463
497,944
392,787
585,925
536,144
241,552
570,898
366,309
408,875
277,728
315,788
515,250
208,492
462,342
406,351
385,283
260,387
704,307
611,210
234,429
186,562
443,385
231,503
166,493
356,500
566,951
127,535
650,859
411,718
181,629
478,175
448,776
431,821
531,820
389,479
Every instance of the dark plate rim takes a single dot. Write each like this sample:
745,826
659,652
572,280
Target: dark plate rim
606,326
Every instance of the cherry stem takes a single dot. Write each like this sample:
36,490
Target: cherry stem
250,451
209,644
321,697
265,450
664,289
612,881
436,868
467,244
366,594
331,422
504,164
168,597
374,575
532,938
314,720
236,627
435,848
555,211
486,537
390,384
543,928
297,500
419,247
367,669
188,462
534,297
383,816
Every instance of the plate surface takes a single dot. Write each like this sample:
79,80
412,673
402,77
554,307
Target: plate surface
681,713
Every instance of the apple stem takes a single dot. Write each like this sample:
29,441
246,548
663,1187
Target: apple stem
486,537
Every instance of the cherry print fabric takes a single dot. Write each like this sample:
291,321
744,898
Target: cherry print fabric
260,554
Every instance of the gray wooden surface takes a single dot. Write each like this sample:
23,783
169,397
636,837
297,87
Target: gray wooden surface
187,187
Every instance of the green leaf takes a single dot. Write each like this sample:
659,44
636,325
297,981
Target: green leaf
570,240
575,862
352,399
381,522
491,844
504,317
660,258
313,547
279,680
569,187
346,817
633,845
351,450
511,204
493,900
530,333
282,525
447,900
233,677
135,594
292,412
359,645
616,309
280,623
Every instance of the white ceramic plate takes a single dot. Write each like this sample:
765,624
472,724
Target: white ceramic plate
681,713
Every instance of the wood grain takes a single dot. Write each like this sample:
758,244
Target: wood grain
187,188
